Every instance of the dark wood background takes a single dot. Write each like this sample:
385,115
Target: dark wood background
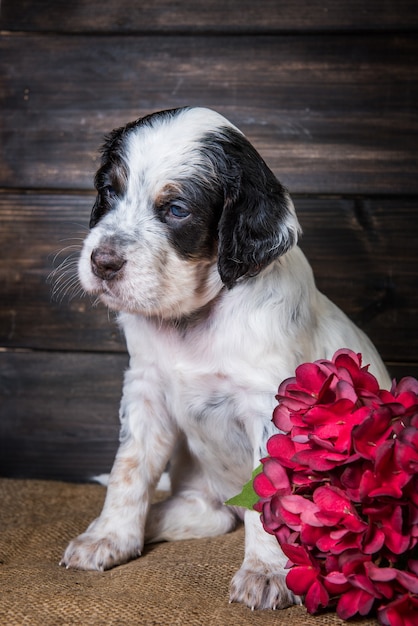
327,92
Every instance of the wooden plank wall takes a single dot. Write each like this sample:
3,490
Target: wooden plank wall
327,92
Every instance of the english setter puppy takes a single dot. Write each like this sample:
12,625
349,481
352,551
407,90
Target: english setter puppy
193,241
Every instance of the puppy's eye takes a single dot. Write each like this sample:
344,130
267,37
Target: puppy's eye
108,191
178,212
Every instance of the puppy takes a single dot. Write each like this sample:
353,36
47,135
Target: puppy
193,242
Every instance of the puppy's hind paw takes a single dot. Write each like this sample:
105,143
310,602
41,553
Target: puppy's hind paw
261,590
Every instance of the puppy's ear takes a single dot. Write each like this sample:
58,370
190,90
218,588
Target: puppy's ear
258,223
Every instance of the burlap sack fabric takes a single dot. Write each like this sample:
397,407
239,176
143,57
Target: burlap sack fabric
183,583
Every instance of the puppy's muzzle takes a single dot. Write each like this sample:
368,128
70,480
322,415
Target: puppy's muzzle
107,263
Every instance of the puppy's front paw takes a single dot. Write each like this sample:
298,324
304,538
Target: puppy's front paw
92,552
259,588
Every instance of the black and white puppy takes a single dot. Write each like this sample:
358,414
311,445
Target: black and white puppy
193,241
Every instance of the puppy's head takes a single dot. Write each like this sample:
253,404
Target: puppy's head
184,205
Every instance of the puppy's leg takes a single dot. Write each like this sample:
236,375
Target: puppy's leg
192,511
260,582
117,535
188,515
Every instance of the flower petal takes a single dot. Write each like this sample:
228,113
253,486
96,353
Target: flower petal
408,580
283,448
372,432
336,583
277,475
316,596
299,579
334,501
297,554
354,601
401,612
302,507
406,450
408,384
310,378
320,460
263,486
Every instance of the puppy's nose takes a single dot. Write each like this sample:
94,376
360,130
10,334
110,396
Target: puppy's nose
106,263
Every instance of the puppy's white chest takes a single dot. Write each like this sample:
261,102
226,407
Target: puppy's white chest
205,393
211,413
206,399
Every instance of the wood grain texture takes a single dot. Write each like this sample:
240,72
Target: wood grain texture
327,92
39,232
234,16
330,115
59,413
363,253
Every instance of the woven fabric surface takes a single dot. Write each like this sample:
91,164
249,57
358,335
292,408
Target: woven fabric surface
182,583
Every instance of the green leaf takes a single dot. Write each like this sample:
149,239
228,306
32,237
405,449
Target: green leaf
248,497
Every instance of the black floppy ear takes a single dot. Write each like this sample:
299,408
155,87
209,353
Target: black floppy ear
258,223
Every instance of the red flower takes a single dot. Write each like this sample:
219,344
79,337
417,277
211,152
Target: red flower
334,424
273,479
401,612
372,432
303,578
387,477
355,601
391,519
406,450
339,489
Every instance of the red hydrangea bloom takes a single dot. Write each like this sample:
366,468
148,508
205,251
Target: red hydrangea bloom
339,489
401,612
304,578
